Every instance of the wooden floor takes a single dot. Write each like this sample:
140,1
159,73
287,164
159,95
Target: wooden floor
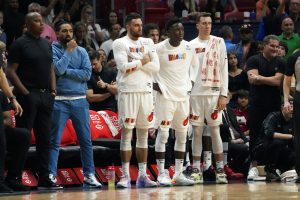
257,190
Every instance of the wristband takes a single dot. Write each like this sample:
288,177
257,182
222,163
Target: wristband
12,98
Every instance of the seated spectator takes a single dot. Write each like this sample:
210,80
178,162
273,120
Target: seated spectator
48,32
238,78
220,5
151,30
282,49
276,143
114,33
236,143
288,36
17,144
81,37
184,8
261,9
270,24
241,111
102,86
2,33
246,47
112,19
227,34
94,30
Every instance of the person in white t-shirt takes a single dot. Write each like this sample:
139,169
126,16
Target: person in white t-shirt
179,65
136,60
209,94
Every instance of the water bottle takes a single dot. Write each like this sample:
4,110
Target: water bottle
111,176
252,16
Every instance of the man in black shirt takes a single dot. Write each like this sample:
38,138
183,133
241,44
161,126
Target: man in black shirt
102,86
277,147
30,70
265,73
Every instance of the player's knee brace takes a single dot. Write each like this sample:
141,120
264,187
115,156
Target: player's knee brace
216,140
141,138
197,140
161,140
126,137
180,141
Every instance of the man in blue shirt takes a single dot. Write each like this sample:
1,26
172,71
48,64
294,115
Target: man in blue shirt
73,69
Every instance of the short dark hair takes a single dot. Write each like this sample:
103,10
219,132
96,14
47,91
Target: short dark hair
94,55
202,14
267,39
242,93
131,16
284,45
225,32
148,27
59,23
171,22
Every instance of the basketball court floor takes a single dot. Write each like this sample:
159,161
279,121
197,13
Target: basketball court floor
253,190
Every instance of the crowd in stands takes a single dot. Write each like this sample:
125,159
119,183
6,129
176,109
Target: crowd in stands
256,123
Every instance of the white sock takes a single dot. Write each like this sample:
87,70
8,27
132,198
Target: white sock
225,152
142,168
220,164
125,168
206,159
160,165
178,166
197,164
187,159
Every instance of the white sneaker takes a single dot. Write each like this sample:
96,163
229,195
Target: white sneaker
181,180
90,181
197,177
124,182
164,179
221,177
144,181
252,174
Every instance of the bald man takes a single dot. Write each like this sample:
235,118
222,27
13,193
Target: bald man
30,71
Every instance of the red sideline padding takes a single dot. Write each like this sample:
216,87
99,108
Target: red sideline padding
154,169
67,177
79,173
98,126
102,174
29,179
68,138
133,170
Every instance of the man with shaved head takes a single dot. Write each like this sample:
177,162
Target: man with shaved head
30,71
288,36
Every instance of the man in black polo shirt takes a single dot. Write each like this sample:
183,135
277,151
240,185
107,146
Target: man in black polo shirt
102,86
265,73
30,70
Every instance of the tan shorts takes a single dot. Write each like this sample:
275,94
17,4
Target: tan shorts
202,107
135,109
172,114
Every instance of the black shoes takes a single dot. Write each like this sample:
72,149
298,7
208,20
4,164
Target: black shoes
272,174
4,189
16,185
48,183
209,175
